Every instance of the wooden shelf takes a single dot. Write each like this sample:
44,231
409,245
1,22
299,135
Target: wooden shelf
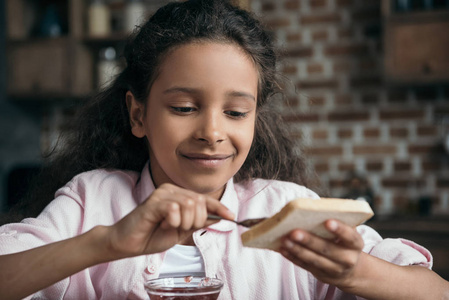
66,65
49,66
46,97
117,40
416,44
40,67
118,37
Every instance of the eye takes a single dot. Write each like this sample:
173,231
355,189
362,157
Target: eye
236,114
182,109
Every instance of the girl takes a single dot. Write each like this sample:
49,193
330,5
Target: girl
186,130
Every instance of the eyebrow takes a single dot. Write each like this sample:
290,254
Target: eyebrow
241,94
176,89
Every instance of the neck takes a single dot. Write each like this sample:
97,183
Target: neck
188,241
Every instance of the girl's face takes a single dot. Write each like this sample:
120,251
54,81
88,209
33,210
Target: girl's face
200,116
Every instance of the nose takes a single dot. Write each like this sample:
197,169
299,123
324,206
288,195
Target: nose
210,128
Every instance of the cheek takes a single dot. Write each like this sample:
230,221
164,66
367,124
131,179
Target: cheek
163,139
160,128
245,139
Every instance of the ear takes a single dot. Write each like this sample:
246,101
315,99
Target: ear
136,112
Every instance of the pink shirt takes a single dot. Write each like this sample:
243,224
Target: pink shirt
103,197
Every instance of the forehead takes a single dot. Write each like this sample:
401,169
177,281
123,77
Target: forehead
205,61
199,47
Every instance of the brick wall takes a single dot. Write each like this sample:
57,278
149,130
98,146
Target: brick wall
347,117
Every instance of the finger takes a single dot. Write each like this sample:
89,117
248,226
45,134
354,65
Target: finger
309,260
336,253
187,212
217,208
202,205
193,209
161,207
189,203
314,243
200,213
170,214
346,235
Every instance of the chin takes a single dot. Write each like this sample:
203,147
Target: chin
209,189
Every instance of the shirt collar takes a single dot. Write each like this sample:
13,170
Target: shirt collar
145,187
230,200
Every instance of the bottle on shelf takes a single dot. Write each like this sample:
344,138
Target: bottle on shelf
50,25
134,14
401,6
108,66
99,19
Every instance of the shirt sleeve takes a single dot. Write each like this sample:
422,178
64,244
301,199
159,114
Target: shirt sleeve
397,251
61,219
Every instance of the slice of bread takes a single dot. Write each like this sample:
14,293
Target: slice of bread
306,214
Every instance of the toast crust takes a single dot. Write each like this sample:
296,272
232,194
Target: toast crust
307,214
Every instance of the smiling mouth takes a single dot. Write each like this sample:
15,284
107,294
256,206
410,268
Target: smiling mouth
209,161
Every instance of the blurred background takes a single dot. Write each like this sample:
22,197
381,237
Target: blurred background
367,95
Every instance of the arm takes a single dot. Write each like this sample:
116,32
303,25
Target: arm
167,217
342,263
384,280
29,271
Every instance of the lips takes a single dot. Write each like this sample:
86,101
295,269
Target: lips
206,156
207,160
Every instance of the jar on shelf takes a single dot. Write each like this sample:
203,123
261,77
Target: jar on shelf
134,14
108,66
99,18
50,25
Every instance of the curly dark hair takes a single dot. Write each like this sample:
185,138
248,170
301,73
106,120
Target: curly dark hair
101,135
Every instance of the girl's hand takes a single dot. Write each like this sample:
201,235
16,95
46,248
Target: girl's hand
331,261
168,216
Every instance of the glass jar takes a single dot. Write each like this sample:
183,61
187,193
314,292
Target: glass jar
108,66
99,19
134,14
